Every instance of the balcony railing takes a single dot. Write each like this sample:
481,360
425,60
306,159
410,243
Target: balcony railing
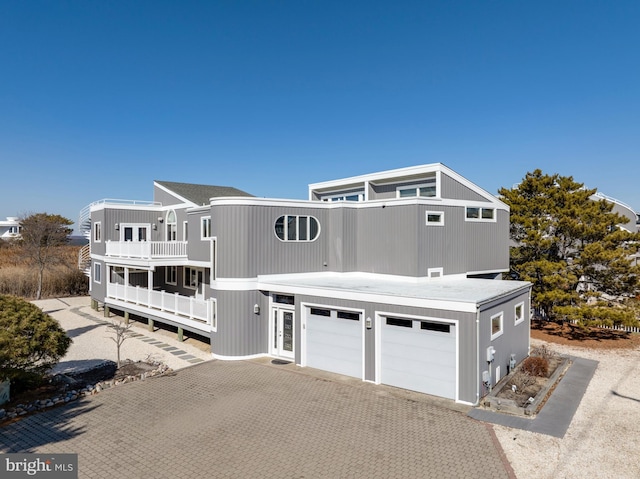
146,249
198,313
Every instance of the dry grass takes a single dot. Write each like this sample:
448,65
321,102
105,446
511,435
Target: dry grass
19,278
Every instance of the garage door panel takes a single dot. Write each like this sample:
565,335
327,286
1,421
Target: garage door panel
417,359
334,344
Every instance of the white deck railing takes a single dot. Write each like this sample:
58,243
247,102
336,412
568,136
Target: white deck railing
188,307
146,249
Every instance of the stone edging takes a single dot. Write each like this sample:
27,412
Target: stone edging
42,404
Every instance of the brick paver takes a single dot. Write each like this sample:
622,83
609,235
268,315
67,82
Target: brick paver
252,419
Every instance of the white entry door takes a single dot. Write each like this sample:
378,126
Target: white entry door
283,332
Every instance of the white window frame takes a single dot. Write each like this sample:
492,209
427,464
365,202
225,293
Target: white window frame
97,232
286,229
343,196
97,273
417,189
515,313
434,223
172,226
205,227
171,271
185,231
186,277
499,333
480,219
435,272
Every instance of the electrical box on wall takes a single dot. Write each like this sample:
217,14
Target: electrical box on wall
491,351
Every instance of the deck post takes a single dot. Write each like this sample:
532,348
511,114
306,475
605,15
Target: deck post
150,324
180,334
126,317
106,311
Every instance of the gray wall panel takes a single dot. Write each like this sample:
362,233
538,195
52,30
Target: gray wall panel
240,331
515,338
454,189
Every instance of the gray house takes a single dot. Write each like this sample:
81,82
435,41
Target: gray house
390,277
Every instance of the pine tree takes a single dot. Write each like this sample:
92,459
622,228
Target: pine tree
568,244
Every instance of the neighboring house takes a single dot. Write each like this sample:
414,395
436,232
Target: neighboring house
391,277
623,210
10,229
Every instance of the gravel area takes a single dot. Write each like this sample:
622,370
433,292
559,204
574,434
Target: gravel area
92,339
604,437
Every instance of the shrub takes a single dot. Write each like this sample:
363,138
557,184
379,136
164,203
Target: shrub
536,366
31,341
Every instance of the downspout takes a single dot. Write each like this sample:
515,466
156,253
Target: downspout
477,357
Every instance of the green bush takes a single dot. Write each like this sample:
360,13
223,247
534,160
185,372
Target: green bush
31,341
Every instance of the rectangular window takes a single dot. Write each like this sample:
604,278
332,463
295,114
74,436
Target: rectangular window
320,312
440,327
97,272
171,275
476,213
519,313
348,315
496,325
403,323
213,271
97,232
205,229
435,272
428,189
185,231
283,299
435,218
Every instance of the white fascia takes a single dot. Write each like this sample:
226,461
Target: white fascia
175,195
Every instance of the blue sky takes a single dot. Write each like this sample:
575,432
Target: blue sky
98,99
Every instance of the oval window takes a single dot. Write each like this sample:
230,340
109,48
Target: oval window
297,228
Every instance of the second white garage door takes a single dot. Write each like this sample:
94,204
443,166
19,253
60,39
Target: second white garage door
334,341
419,355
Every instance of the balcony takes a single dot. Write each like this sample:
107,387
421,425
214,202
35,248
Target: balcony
199,314
146,249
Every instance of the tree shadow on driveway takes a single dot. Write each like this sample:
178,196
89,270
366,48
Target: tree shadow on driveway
46,428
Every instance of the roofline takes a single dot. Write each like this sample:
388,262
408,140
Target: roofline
407,171
171,192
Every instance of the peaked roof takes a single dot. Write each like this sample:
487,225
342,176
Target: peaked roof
200,194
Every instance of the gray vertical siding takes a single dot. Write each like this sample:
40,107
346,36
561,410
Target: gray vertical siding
240,331
451,188
515,338
165,198
387,240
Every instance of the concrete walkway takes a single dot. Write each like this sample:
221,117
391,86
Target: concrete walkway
92,340
555,416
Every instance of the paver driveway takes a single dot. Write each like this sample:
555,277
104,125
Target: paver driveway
252,419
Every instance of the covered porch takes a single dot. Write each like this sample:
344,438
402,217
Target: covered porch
133,289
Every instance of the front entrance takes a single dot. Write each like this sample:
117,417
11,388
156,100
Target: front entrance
282,327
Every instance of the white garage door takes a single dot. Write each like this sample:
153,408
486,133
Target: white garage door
334,341
419,355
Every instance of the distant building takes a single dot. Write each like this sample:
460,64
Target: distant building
10,229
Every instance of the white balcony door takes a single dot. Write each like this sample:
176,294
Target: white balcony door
282,322
137,233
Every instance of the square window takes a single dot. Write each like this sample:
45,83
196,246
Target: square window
473,213
519,313
487,213
171,275
496,325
